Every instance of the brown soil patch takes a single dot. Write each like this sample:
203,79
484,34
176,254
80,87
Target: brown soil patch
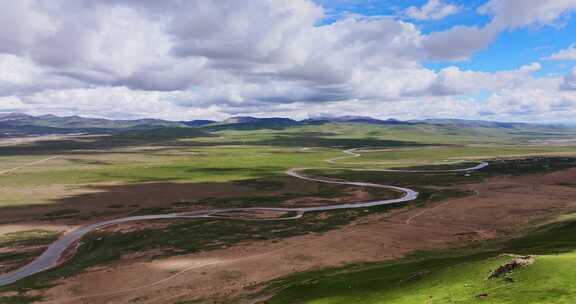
497,210
352,195
131,227
103,201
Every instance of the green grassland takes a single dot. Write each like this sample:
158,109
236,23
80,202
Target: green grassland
207,164
451,277
521,166
438,155
175,155
27,238
422,133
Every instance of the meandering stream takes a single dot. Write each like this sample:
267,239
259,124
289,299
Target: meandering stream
63,248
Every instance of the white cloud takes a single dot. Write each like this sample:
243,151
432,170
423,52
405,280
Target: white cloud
569,83
22,25
535,100
459,42
564,55
12,104
176,59
257,31
116,102
432,10
452,81
17,70
510,14
20,75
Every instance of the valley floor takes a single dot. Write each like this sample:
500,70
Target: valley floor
52,185
503,207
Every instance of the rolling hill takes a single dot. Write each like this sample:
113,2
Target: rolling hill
16,124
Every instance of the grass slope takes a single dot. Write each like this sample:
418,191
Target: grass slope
455,278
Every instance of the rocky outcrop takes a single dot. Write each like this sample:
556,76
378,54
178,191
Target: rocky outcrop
517,262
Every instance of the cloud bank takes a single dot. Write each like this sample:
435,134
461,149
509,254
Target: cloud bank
212,59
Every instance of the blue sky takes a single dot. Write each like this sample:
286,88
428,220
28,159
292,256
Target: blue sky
517,47
467,16
510,50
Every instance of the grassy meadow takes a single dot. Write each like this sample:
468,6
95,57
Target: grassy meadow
451,277
174,155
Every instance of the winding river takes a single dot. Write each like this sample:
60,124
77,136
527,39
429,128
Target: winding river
65,247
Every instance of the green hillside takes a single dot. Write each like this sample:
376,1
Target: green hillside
461,277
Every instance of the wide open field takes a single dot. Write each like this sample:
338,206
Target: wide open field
245,266
50,186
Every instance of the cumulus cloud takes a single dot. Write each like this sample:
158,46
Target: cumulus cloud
537,99
510,14
569,83
22,25
115,102
215,58
226,29
453,81
20,75
564,55
458,43
432,10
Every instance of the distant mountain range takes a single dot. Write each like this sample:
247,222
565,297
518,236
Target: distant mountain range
23,123
73,122
356,119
